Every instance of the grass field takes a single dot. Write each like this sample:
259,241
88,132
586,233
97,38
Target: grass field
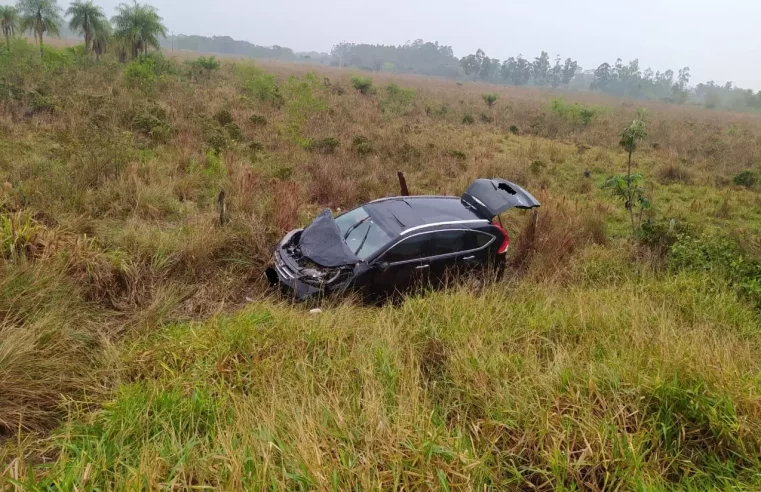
139,348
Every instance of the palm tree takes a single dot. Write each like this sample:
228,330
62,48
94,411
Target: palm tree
86,19
139,26
100,39
8,23
40,17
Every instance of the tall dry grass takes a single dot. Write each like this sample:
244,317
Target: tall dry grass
111,236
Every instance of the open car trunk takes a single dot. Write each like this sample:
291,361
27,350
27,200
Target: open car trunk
491,197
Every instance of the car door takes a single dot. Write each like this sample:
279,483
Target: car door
402,267
458,252
446,249
478,256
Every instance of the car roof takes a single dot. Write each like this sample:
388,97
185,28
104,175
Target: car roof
401,215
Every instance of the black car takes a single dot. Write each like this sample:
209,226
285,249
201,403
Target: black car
392,244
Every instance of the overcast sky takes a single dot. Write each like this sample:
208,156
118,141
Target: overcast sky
719,40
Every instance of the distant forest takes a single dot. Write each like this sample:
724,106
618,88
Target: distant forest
434,59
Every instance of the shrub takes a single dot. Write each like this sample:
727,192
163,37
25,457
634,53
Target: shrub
746,178
537,167
151,126
224,117
573,113
363,84
722,256
204,66
141,72
485,118
283,173
262,86
409,153
326,145
234,131
258,120
456,154
152,123
661,235
397,99
256,146
42,103
216,139
468,120
303,98
440,111
490,99
674,173
361,145
514,130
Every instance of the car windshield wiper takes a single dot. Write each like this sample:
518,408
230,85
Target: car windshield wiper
362,244
351,229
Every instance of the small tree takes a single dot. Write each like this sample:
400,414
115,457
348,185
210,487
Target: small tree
8,23
203,66
629,187
490,99
363,84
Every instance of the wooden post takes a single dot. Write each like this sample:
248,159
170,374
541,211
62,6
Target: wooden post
222,207
403,184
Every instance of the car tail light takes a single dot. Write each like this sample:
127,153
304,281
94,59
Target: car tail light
506,243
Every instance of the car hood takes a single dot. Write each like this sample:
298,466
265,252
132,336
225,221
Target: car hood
491,197
322,243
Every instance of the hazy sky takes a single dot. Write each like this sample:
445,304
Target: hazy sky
718,40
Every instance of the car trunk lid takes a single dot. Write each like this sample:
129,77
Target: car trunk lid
491,197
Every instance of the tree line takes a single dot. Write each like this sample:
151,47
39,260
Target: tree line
420,57
133,30
229,46
617,79
137,28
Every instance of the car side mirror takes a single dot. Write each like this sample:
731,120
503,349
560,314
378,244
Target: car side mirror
383,266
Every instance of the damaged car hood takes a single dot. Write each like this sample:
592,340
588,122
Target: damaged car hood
322,243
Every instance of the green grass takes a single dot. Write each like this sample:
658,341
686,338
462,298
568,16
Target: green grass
618,383
130,357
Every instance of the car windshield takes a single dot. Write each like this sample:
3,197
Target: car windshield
361,233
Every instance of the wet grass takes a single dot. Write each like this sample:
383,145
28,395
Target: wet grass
131,356
626,384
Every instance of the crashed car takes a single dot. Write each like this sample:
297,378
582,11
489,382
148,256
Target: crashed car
393,244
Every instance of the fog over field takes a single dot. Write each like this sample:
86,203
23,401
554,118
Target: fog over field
717,40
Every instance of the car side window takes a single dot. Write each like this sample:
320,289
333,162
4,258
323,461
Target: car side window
478,240
449,242
411,248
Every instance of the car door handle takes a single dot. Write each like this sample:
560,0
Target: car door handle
422,267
